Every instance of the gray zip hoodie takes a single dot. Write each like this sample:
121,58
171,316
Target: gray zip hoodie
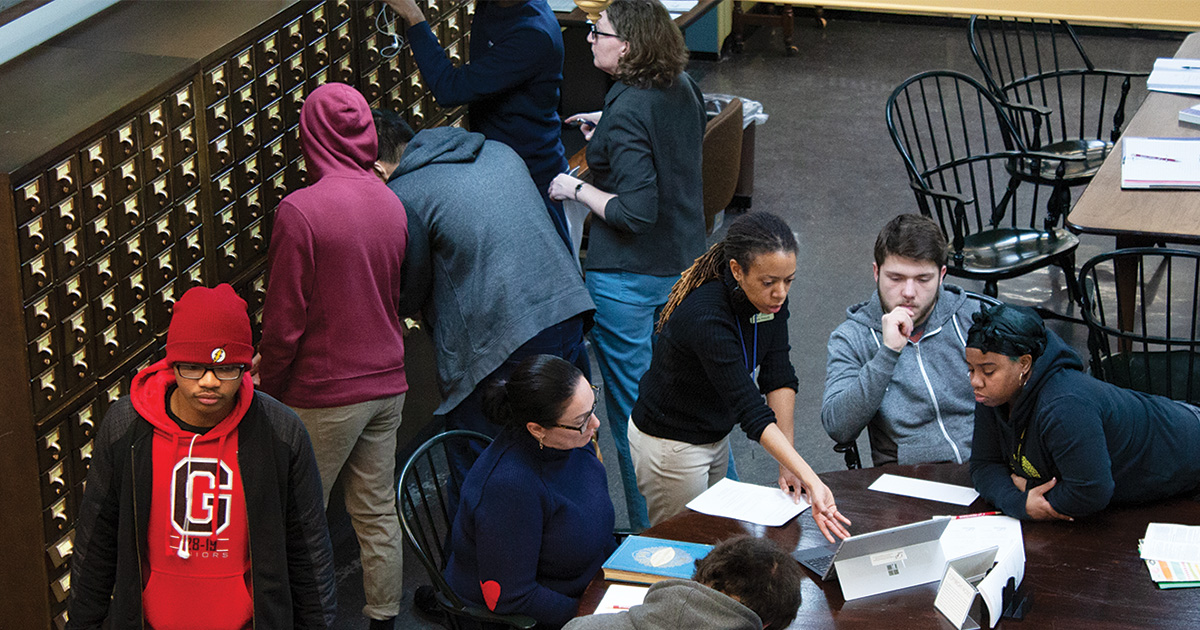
675,604
917,404
500,271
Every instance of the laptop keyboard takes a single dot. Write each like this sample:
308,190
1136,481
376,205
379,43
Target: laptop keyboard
820,565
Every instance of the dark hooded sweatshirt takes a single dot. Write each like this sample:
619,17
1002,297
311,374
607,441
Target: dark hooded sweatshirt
331,325
1103,443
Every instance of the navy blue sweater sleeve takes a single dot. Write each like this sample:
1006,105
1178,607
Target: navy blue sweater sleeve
1073,432
989,470
509,62
509,519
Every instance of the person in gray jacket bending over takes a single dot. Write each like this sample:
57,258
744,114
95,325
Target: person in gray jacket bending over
897,365
502,286
742,584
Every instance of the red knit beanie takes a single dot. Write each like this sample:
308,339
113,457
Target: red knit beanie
210,326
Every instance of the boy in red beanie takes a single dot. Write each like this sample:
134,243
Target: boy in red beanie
203,505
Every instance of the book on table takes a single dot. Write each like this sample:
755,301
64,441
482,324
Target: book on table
1172,554
1181,76
646,560
1190,115
1160,162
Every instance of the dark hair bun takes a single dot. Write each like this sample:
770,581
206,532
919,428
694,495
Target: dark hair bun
537,390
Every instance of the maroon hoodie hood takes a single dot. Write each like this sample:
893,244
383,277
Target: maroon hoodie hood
337,132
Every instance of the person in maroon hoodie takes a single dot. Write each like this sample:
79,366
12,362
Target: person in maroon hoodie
331,346
203,508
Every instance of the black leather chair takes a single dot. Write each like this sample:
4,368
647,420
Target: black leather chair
1077,109
425,517
849,450
1142,308
966,166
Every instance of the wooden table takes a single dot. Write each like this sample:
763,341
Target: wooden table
1143,217
1083,574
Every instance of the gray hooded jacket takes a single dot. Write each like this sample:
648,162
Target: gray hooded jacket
917,404
675,604
500,271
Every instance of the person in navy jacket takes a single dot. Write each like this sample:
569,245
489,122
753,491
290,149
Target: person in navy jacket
1052,442
535,521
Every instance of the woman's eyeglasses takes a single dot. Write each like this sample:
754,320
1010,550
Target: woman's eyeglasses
599,33
586,419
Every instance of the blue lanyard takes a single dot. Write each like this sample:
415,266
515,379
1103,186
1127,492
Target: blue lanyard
745,357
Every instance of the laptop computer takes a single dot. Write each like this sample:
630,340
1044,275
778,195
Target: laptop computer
881,561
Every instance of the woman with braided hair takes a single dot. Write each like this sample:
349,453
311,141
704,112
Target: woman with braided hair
1052,442
722,360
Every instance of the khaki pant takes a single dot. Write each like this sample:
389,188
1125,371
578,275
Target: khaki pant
671,473
358,442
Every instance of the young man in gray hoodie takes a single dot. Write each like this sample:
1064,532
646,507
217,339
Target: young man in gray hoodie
896,366
742,584
503,286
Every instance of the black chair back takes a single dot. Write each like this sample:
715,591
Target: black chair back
1041,63
967,168
427,483
1142,308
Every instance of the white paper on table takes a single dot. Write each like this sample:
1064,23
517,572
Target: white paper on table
922,489
954,598
1010,563
621,597
680,6
748,502
562,6
1171,543
576,213
965,536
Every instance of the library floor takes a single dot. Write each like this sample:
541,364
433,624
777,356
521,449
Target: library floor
825,163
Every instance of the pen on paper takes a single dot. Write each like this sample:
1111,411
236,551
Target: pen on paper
1190,67
962,516
1154,157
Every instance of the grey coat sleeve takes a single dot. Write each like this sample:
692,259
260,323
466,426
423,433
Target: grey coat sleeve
853,388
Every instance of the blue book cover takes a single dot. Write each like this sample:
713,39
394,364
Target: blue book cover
647,560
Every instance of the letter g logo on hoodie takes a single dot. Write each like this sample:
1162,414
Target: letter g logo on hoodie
201,494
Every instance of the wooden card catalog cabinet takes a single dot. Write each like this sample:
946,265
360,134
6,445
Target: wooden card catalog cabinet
166,181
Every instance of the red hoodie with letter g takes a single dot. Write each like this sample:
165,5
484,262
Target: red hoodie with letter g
198,540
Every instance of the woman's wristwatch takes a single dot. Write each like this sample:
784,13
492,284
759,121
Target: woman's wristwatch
578,187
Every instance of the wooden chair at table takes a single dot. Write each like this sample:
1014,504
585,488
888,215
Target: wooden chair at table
1076,108
1143,328
849,449
722,159
964,162
425,518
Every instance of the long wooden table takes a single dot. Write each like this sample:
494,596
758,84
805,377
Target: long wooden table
1143,217
1081,574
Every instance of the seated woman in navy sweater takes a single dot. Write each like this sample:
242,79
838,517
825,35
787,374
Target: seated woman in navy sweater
1052,442
535,522
724,325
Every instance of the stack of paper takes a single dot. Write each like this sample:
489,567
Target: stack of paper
1160,163
1172,554
1175,75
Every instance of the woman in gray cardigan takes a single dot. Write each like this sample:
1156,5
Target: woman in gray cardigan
644,155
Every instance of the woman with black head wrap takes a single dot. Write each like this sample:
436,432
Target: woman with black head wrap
1051,442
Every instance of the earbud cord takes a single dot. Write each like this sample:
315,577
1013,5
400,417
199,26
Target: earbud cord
183,552
387,28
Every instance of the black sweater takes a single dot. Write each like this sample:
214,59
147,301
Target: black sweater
699,383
